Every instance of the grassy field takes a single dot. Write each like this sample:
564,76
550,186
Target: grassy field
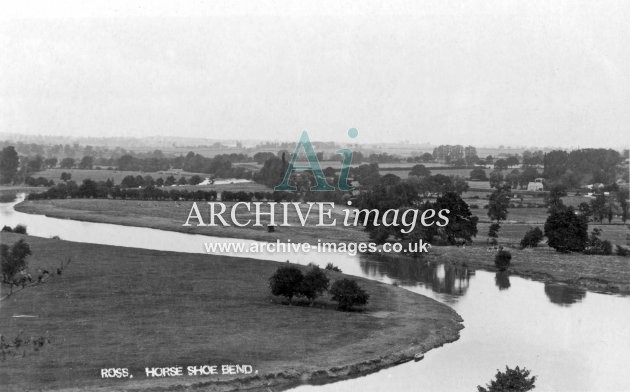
116,307
171,215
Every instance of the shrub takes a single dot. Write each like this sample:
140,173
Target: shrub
502,259
315,282
596,246
347,293
532,238
13,259
332,267
7,229
286,281
621,251
19,229
512,380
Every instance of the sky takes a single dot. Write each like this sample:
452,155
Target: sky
491,72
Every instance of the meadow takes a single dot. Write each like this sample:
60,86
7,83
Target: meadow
114,307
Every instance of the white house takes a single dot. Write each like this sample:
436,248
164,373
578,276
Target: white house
536,185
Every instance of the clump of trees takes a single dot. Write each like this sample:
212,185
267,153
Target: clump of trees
512,380
532,238
566,231
289,281
18,229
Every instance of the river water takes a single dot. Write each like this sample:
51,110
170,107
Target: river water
571,339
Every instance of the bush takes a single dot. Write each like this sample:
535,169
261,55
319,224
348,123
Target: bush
621,251
502,259
332,267
596,246
286,281
7,229
13,259
532,238
347,293
512,380
19,229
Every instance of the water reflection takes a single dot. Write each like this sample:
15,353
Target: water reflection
502,280
439,277
563,294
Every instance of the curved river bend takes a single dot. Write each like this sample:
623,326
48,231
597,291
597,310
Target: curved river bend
572,340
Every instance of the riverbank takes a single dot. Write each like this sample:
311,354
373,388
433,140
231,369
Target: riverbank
604,274
115,307
171,215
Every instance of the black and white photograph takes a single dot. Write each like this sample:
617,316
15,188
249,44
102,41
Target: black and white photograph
315,196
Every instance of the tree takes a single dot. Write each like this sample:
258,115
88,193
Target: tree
498,204
88,188
478,174
426,157
496,179
622,198
9,163
286,281
512,380
50,162
598,207
500,164
170,180
65,176
462,225
553,200
555,164
528,175
390,180
493,232
502,259
420,171
585,210
262,157
315,282
14,258
367,174
67,163
566,231
35,164
347,293
87,162
512,161
194,180
532,238
129,182
19,229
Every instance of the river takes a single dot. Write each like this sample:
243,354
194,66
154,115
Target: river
571,339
